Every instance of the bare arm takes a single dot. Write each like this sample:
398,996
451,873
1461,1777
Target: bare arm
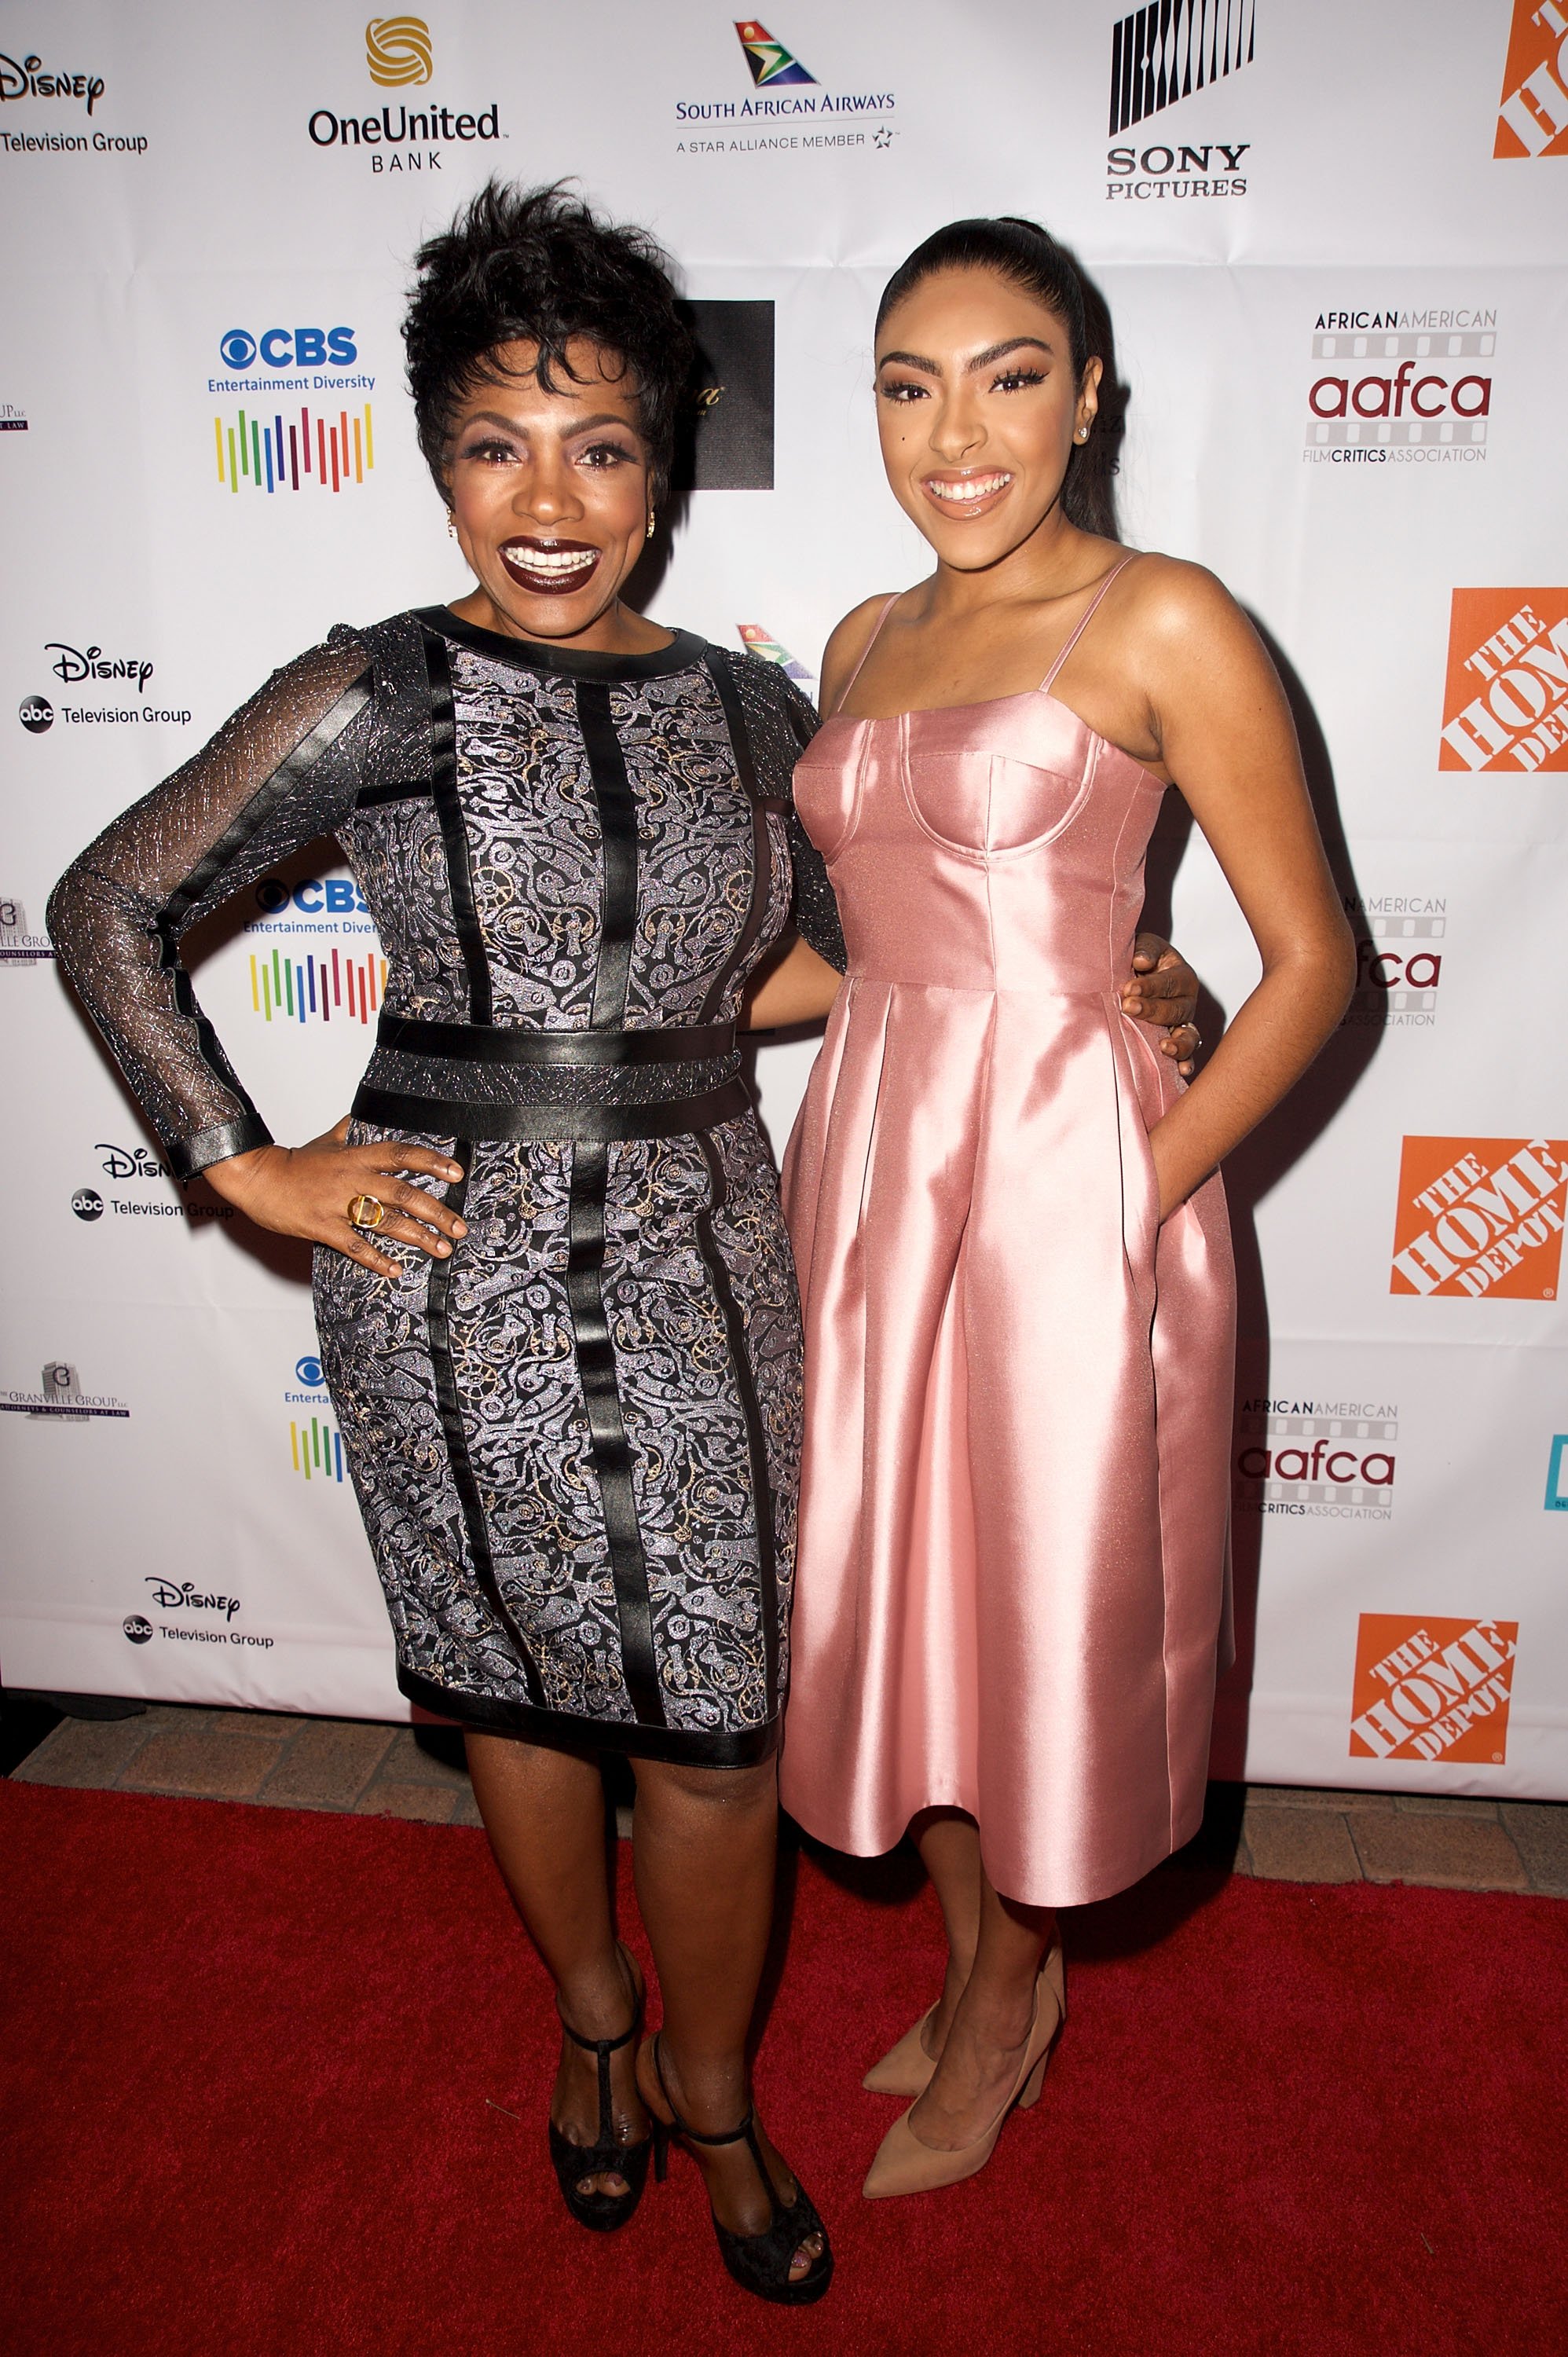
1226,736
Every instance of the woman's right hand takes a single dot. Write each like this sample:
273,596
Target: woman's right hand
306,1190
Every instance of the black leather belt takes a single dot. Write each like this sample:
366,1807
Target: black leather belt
485,1043
447,1117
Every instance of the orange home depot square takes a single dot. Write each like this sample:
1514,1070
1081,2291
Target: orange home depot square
1480,1216
1432,1689
1505,701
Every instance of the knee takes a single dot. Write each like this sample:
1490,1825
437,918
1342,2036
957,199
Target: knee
737,1789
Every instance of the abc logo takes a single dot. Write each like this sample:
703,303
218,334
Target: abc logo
308,1371
87,1203
36,712
282,348
139,1631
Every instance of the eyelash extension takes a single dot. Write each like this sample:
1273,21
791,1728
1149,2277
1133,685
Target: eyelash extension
1012,377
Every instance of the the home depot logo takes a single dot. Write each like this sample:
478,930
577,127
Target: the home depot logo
1533,115
1505,703
1480,1215
1432,1689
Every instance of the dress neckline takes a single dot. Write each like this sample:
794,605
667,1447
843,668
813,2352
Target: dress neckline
989,704
685,650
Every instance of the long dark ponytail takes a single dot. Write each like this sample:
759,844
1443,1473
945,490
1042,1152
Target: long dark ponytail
1032,258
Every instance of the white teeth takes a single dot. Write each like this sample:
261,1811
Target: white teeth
552,560
977,486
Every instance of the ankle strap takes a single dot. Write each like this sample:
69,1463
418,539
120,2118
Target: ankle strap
694,2135
598,2045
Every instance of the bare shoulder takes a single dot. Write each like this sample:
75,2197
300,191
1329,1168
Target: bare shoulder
847,644
1167,598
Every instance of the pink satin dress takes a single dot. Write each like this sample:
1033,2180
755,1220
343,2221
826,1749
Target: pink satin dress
1012,1563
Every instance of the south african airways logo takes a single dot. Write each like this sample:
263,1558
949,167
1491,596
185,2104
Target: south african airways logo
770,62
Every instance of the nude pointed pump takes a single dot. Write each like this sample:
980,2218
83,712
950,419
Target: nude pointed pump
905,2069
905,2164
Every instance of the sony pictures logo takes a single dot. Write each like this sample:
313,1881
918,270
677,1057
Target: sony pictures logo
1160,54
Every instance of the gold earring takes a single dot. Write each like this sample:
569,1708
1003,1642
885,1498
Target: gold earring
651,522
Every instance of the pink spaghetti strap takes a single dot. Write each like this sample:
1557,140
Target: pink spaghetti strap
1088,617
875,633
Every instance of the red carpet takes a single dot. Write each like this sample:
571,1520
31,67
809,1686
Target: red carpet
262,2072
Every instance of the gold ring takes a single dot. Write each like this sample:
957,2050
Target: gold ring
367,1211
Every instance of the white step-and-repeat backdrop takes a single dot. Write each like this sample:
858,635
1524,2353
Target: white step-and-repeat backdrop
1331,237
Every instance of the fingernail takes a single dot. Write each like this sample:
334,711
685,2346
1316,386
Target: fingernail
443,1246
461,1229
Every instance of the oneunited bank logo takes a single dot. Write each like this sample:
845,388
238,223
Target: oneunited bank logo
1480,1216
1505,707
398,51
1432,1689
1533,115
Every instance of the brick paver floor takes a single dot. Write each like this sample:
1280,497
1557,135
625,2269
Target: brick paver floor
1285,1833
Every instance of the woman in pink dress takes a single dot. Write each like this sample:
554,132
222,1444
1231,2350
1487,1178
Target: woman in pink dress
1012,1239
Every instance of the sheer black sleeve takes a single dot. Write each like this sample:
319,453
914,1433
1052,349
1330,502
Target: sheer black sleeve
285,769
782,723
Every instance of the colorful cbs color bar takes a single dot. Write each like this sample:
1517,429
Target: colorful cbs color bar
273,457
317,1450
315,986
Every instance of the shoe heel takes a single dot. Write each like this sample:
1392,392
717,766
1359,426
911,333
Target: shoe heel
1029,2094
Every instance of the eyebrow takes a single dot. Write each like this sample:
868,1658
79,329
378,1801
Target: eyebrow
578,425
981,360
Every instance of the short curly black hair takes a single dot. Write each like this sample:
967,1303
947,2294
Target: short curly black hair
538,265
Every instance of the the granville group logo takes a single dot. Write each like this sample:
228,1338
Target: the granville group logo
1331,1458
1480,1216
790,109
1505,707
399,55
60,1399
1400,943
1401,386
316,1448
88,666
1432,1689
19,945
1159,55
1533,116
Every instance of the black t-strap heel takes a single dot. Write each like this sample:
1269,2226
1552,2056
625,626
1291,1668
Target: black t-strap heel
601,2211
759,2262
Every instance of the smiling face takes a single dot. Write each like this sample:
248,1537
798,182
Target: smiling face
550,496
977,407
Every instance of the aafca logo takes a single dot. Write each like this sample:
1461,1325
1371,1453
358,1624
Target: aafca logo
1533,117
1480,1215
1505,707
1333,1459
1399,958
1401,387
1432,1689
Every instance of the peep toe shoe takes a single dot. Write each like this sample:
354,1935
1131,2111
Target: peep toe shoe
606,2156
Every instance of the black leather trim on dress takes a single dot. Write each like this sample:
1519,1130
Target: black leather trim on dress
680,1745
610,1450
618,830
417,790
454,833
718,665
683,652
756,1440
492,1044
590,1124
449,1406
188,1157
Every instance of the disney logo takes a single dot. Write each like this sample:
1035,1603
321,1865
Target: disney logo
73,665
173,1598
129,1161
24,80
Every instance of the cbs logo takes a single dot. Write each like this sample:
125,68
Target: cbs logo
282,348
307,1370
339,896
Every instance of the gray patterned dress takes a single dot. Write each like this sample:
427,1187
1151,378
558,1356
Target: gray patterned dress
575,1442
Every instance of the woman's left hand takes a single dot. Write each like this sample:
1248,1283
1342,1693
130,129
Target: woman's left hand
1163,989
